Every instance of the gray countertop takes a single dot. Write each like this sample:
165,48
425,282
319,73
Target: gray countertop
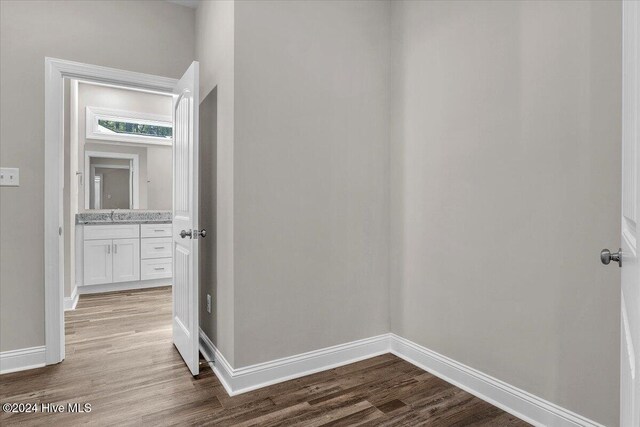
123,217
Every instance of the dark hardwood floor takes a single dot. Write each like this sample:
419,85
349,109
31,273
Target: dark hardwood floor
120,359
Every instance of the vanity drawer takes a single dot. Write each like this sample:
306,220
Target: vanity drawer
156,230
120,231
159,247
155,269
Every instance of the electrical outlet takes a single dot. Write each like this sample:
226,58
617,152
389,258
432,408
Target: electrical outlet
208,303
9,177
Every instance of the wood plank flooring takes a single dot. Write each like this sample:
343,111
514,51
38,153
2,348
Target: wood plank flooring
120,359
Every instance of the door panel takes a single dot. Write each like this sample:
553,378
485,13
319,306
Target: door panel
126,260
630,292
185,210
97,262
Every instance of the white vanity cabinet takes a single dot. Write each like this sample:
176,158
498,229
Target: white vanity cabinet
118,253
156,251
111,254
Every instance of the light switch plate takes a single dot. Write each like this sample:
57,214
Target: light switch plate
208,303
9,177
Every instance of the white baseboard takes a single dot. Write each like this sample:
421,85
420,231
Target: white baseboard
218,363
22,359
242,380
70,302
123,286
520,403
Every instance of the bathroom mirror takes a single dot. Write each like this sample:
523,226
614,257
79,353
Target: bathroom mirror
112,181
127,178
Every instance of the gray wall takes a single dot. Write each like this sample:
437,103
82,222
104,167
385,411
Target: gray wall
505,186
215,25
159,178
207,181
311,206
162,36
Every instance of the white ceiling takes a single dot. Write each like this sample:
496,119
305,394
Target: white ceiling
188,3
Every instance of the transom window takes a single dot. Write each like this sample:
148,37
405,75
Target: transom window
128,126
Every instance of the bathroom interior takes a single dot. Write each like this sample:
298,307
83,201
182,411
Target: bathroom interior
117,189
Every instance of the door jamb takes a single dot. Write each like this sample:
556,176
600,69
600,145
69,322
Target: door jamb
55,71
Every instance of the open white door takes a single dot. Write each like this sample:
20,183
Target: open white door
630,307
185,218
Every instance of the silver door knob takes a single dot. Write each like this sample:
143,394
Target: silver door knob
606,257
185,233
200,233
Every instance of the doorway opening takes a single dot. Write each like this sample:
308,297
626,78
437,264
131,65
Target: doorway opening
117,192
110,178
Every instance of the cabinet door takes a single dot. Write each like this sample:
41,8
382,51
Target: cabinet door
126,260
97,262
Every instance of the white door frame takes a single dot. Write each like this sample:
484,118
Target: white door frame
55,71
134,167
